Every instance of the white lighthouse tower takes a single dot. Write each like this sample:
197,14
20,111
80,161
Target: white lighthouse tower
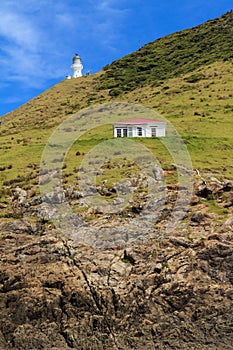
77,66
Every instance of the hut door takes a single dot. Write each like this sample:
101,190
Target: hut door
125,132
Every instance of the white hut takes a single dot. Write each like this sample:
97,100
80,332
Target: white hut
139,128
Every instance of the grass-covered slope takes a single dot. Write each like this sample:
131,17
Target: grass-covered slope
196,96
54,105
171,56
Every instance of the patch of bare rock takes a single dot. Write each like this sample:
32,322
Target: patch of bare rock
171,292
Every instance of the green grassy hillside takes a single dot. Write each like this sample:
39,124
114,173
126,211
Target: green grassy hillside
171,56
186,76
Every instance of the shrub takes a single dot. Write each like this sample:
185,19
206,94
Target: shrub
115,92
194,78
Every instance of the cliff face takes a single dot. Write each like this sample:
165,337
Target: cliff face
170,293
55,295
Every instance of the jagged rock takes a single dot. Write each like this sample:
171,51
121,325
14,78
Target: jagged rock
228,225
124,187
197,217
76,195
204,191
56,197
3,205
95,210
140,289
158,173
107,191
33,202
194,200
56,294
228,201
20,194
118,201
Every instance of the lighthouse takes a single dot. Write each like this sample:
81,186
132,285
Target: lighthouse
77,66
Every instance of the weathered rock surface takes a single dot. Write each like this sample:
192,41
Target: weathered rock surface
171,292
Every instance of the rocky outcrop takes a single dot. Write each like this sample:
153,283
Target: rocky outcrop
174,293
171,292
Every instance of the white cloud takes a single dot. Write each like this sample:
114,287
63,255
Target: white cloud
18,30
24,44
37,34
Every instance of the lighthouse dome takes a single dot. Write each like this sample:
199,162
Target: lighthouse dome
76,58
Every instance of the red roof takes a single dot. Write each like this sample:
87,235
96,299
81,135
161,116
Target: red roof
139,121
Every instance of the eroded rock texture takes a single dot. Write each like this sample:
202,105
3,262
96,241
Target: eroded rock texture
170,292
173,293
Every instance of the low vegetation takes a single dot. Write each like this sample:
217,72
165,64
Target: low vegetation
186,77
168,57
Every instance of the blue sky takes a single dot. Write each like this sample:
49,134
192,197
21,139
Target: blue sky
38,38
